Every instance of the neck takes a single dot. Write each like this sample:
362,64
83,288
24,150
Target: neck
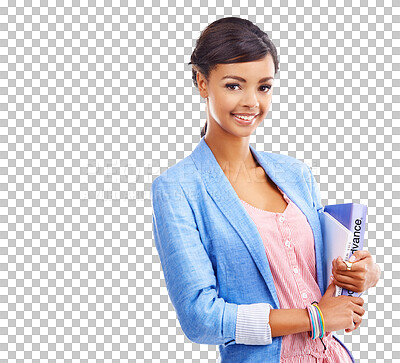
231,152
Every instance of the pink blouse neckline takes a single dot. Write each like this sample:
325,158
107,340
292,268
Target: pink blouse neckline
288,201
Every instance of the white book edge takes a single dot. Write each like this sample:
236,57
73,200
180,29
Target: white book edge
332,227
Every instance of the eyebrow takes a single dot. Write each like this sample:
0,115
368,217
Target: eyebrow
243,80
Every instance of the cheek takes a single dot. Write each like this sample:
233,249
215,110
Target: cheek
267,104
216,110
222,108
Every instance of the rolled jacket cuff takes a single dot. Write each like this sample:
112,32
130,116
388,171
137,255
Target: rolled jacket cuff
252,325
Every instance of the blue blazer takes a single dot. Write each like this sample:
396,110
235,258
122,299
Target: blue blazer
211,252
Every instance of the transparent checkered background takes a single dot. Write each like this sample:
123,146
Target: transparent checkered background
96,100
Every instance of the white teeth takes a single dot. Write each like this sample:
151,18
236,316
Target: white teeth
246,118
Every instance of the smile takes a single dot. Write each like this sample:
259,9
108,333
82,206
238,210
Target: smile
244,120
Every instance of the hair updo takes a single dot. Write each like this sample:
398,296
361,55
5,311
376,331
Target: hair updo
229,40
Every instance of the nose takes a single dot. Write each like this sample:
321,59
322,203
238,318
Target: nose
250,100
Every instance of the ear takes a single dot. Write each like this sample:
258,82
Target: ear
202,84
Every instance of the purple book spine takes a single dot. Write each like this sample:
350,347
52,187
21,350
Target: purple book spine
358,219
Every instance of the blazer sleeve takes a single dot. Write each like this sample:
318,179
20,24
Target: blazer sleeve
204,317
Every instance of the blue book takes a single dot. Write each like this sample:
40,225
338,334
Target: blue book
343,228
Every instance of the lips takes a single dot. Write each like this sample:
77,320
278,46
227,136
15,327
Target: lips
243,121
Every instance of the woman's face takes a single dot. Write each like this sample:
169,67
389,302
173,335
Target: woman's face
238,89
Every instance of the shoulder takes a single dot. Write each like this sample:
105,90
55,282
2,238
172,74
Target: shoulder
280,157
175,176
284,160
288,167
178,186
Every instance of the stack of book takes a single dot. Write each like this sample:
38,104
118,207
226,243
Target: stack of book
343,228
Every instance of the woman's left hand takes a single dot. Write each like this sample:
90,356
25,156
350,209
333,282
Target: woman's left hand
364,273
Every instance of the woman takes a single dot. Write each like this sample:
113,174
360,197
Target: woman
237,230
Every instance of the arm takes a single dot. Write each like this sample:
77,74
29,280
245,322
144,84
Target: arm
289,321
204,317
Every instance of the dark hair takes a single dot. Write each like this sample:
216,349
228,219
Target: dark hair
229,40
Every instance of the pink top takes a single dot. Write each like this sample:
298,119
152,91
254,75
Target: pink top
289,245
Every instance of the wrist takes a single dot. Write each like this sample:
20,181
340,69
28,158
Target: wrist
288,321
309,327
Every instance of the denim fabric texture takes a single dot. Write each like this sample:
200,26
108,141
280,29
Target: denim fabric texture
211,252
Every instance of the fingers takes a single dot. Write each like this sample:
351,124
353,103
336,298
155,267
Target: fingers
361,254
355,327
330,291
358,310
339,266
357,279
357,319
331,288
357,300
358,313
347,282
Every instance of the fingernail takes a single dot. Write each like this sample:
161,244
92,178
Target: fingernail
352,258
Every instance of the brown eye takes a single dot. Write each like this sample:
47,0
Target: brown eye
229,86
268,88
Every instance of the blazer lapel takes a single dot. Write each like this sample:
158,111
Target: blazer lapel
288,177
225,197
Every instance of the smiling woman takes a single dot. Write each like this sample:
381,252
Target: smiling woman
230,106
237,230
222,45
